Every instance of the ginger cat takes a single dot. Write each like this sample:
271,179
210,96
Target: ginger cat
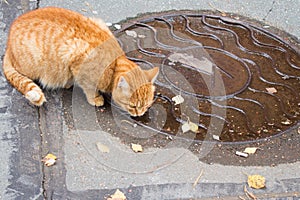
59,48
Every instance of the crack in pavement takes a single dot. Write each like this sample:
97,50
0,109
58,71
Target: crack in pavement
269,11
40,126
37,4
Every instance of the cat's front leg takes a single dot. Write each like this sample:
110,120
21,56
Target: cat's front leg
97,101
94,98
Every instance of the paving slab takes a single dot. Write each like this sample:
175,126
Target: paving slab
21,171
69,128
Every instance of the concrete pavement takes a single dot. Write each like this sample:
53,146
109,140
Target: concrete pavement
81,172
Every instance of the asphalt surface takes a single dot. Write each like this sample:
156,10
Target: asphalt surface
28,133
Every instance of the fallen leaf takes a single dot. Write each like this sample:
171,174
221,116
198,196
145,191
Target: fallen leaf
49,160
203,65
101,147
271,90
286,122
245,155
131,33
189,126
118,195
216,137
108,24
142,36
178,99
136,147
193,127
250,150
185,127
117,26
256,181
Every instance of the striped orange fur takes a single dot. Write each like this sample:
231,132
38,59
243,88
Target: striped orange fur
59,48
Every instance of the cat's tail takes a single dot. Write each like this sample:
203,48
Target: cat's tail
22,83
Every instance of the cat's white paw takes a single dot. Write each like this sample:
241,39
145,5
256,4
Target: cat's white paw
97,101
35,97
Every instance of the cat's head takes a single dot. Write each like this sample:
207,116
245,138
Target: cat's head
134,91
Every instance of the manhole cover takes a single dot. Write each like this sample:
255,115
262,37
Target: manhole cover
240,82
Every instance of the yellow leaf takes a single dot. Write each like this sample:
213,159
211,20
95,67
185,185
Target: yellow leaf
118,195
49,160
189,126
178,99
250,150
136,148
103,148
256,181
193,127
51,156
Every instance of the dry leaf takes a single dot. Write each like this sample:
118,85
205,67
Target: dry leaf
271,90
136,147
117,26
193,127
108,24
216,137
189,126
131,33
178,99
49,160
245,155
118,195
141,36
185,127
101,147
256,181
250,150
286,122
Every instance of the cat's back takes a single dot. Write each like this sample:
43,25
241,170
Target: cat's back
48,43
54,25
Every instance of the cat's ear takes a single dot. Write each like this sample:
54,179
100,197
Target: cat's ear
152,74
122,84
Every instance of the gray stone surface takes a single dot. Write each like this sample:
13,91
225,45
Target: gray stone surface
281,14
21,174
27,133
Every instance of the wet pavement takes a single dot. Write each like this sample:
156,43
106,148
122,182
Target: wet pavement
169,167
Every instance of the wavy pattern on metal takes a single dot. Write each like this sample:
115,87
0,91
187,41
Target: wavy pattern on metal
259,71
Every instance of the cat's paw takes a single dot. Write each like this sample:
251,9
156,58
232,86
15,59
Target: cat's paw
36,97
97,101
